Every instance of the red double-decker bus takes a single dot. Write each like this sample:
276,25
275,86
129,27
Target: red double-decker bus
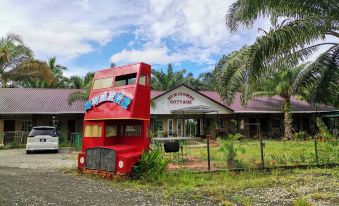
117,119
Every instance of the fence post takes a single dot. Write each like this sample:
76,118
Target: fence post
208,152
261,148
316,149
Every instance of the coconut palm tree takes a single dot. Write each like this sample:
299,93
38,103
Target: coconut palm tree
17,62
299,29
86,83
58,78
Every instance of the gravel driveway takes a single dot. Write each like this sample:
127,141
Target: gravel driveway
37,179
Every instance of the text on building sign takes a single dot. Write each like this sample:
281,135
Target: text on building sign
173,98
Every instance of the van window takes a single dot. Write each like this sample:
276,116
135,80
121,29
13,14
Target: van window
43,131
102,83
93,130
127,79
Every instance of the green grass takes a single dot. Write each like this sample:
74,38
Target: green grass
228,187
276,153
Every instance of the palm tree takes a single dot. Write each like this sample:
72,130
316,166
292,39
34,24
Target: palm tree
86,83
167,80
300,29
58,78
17,62
281,83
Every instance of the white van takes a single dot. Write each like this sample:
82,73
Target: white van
42,138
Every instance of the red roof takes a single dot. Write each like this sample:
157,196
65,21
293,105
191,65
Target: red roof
38,101
54,101
261,104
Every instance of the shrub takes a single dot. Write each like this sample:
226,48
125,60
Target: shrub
152,165
323,131
299,135
230,150
301,202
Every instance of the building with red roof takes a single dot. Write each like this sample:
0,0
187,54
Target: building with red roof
181,111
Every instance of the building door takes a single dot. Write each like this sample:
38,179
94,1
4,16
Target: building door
264,126
9,125
9,134
70,128
253,127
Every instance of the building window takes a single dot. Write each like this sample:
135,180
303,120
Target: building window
276,123
93,130
102,83
133,130
159,125
111,131
26,125
170,127
179,127
221,124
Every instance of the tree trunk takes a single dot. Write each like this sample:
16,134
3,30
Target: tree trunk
287,120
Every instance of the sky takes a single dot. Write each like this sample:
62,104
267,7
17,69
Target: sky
87,35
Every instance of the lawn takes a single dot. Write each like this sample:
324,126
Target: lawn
278,187
276,153
249,187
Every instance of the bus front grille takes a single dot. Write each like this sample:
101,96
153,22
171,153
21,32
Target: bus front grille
100,159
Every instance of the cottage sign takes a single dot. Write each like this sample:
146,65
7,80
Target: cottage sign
180,98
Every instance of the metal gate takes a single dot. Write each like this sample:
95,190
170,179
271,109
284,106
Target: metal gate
100,159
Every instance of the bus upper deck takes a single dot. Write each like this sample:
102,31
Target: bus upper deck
120,93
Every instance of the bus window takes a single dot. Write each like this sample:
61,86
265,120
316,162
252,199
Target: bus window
143,80
111,131
92,130
133,130
128,79
102,83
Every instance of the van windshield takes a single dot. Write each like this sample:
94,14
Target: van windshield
42,131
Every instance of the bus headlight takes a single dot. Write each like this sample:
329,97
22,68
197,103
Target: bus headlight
121,164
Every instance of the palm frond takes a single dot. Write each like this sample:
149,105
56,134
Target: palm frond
77,96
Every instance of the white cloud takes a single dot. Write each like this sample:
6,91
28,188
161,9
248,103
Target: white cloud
158,55
166,30
66,29
197,29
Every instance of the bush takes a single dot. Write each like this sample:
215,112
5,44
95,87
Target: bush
299,135
152,165
301,202
230,150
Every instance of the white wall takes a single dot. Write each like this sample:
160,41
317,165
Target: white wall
164,105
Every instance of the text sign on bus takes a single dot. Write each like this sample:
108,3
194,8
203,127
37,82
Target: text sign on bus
111,96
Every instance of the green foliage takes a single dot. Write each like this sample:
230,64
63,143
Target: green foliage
301,32
170,79
229,148
301,135
323,131
152,165
301,202
17,62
